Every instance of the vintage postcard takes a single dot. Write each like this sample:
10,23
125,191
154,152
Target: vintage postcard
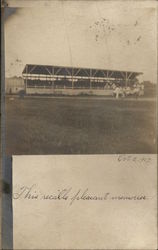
80,137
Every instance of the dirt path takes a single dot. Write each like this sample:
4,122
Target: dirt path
151,99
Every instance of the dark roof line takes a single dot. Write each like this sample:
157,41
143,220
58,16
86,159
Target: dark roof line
139,73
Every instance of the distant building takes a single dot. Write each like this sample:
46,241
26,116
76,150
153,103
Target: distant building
14,85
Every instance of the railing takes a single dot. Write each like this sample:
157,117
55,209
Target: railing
75,87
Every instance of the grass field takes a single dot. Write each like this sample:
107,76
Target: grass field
79,126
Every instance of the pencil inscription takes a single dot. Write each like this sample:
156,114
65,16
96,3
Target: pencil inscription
135,159
72,195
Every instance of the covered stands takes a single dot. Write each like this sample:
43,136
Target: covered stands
59,77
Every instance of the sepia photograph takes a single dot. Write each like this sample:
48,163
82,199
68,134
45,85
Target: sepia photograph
79,120
80,78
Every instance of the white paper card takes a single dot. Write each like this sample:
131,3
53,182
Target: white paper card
84,202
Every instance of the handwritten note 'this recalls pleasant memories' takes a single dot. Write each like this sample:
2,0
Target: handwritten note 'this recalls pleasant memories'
84,202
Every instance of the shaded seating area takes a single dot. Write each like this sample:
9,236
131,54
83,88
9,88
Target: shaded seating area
60,77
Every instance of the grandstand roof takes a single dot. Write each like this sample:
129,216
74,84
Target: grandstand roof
76,71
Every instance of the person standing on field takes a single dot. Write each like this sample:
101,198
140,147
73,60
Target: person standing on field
117,92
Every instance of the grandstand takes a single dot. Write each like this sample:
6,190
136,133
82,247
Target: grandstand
46,79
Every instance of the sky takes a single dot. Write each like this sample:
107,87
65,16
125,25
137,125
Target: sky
93,34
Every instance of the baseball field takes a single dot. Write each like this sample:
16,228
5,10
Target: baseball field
74,125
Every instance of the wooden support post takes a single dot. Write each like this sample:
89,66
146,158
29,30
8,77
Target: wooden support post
90,78
72,78
52,77
107,74
126,80
26,78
